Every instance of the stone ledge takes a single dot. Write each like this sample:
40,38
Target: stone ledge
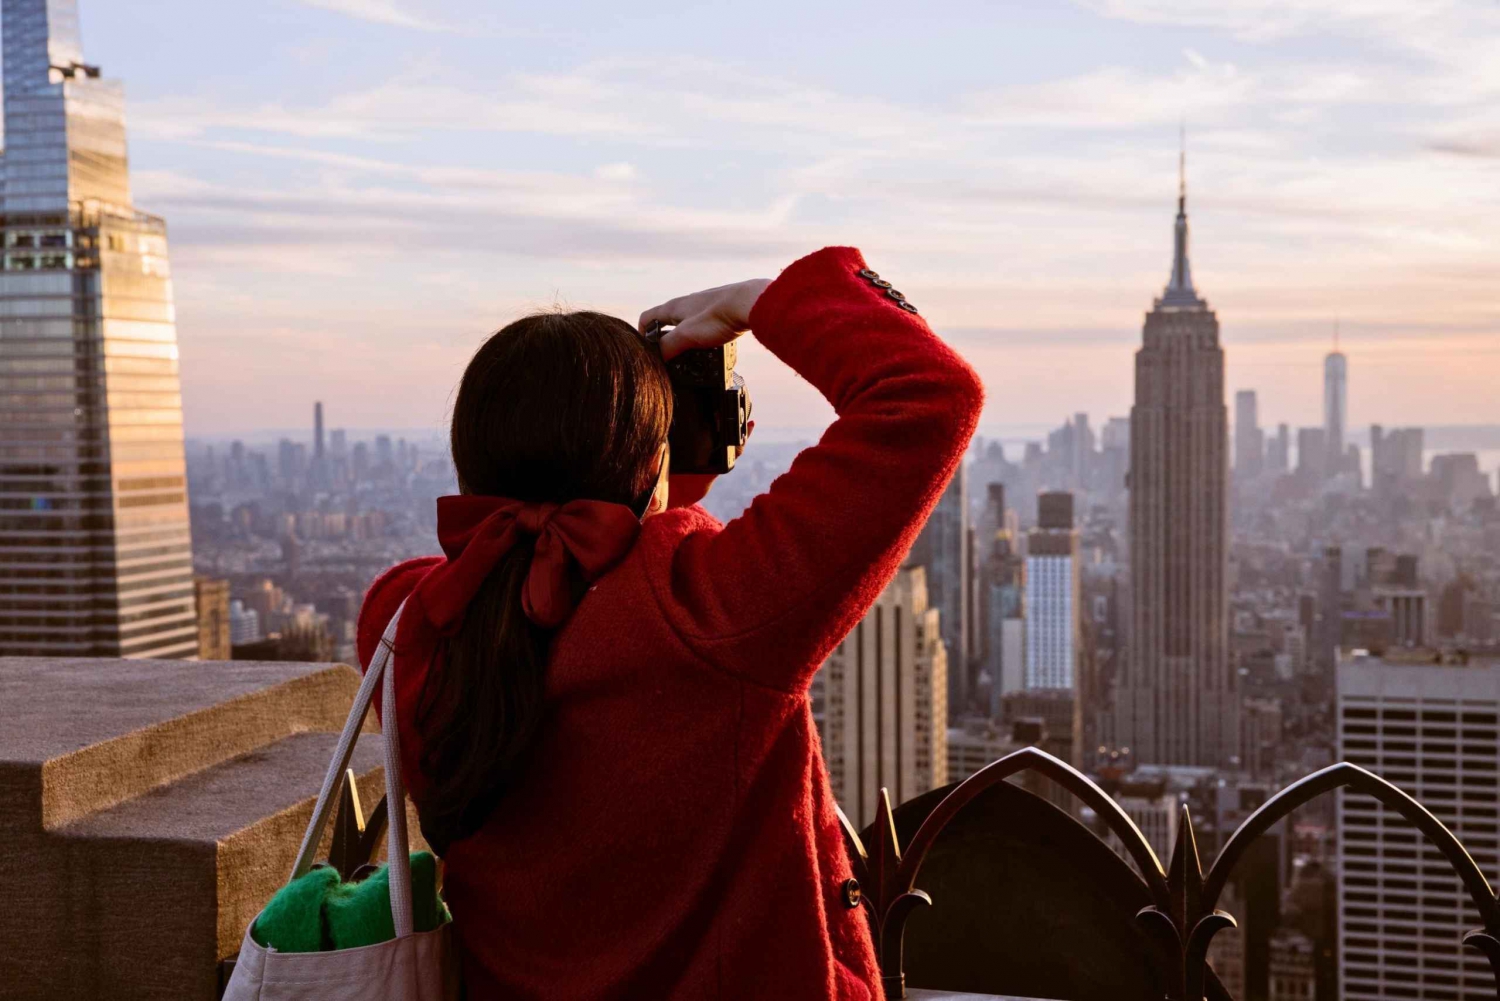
165,720
224,799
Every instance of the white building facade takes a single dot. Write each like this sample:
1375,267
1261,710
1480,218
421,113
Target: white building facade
1430,729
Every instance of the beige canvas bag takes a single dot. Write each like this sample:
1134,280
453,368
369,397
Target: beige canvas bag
413,966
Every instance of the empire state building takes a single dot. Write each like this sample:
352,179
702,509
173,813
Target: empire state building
95,554
1177,702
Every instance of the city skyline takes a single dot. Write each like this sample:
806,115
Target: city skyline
378,210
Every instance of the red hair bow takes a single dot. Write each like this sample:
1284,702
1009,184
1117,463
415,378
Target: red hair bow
476,532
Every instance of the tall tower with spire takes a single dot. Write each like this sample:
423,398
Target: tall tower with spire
95,553
1177,702
1335,406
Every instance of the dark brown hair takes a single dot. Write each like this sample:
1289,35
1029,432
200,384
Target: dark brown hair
554,407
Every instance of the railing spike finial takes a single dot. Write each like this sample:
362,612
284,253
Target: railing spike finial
1186,875
886,858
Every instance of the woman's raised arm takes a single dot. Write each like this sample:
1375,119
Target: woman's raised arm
773,593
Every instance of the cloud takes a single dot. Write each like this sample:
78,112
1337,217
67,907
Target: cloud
1268,20
379,12
1028,219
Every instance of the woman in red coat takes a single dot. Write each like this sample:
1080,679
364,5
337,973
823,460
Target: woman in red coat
602,693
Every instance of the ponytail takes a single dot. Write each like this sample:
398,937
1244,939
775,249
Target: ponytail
480,711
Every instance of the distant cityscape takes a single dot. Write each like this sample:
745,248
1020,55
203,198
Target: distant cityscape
1189,603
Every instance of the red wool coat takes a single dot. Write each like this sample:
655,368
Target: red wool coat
676,837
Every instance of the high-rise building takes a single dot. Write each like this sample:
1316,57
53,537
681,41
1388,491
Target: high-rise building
318,431
1335,410
1293,974
1176,698
1430,729
244,624
1249,440
1053,615
1312,453
1279,452
95,553
215,630
1226,951
943,549
881,702
1002,626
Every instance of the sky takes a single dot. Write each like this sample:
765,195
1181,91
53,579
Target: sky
359,191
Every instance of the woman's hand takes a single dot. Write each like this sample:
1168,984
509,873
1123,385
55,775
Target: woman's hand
705,319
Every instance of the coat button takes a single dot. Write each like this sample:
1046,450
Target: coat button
907,306
895,295
867,274
880,283
852,893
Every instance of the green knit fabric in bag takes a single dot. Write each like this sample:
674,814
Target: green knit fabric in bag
293,920
318,913
360,913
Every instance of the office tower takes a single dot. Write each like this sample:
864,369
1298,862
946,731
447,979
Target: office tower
1312,454
338,443
1260,742
1331,591
1293,975
1003,604
211,598
1279,452
1226,952
942,548
318,432
1335,410
95,554
1396,596
1154,809
1176,701
244,624
1249,440
1053,622
1430,729
1083,449
884,702
1000,648
1058,713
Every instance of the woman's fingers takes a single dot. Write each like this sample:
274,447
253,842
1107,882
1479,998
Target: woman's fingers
668,313
701,330
705,319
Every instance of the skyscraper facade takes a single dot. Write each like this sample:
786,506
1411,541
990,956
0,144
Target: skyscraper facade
318,431
1053,613
881,702
95,554
1335,410
1176,700
1249,440
1430,729
942,549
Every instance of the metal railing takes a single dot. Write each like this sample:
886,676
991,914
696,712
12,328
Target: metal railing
1183,916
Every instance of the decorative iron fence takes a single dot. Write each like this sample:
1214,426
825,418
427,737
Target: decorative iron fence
1183,916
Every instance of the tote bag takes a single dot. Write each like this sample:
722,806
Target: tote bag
413,966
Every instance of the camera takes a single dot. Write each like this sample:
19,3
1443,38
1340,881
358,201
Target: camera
710,407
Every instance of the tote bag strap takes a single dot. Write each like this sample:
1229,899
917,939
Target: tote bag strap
397,848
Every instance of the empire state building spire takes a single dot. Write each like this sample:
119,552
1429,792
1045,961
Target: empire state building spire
1177,699
1180,292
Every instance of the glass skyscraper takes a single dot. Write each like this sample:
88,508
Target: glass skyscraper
95,553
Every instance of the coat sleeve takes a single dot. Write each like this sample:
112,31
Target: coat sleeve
770,595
